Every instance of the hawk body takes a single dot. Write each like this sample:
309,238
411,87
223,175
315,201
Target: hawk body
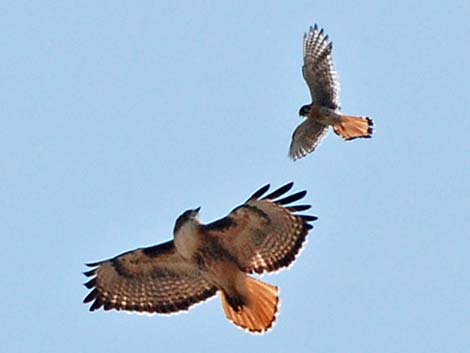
262,235
324,111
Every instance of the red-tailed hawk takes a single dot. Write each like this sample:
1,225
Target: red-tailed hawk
324,111
262,235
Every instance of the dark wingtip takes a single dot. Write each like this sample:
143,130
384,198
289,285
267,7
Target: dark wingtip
96,305
90,273
308,218
91,296
299,208
279,191
292,198
260,192
94,264
91,283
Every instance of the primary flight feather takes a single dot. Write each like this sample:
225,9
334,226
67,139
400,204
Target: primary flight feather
324,111
264,234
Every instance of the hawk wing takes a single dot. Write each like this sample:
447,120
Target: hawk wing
264,234
306,137
318,69
152,280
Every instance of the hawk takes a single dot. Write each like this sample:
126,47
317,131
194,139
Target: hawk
324,111
262,235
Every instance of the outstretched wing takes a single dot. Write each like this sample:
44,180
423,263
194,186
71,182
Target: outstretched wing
306,137
318,69
264,234
152,280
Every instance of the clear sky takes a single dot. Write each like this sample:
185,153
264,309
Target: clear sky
116,116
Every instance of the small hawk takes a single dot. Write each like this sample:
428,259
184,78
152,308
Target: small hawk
324,111
262,235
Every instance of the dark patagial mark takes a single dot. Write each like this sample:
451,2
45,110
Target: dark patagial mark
156,250
305,110
220,225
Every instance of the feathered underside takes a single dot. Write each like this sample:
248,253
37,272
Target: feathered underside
149,280
318,69
265,233
306,138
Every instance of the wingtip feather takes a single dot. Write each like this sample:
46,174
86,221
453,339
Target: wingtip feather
279,191
292,198
92,295
90,273
94,264
308,218
299,208
91,283
260,192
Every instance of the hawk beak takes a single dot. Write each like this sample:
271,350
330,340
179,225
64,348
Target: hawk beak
196,211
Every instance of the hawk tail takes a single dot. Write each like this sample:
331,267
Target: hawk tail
351,127
256,309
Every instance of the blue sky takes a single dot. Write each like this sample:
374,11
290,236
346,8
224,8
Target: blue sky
117,116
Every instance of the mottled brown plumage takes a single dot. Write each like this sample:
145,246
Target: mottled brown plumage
262,235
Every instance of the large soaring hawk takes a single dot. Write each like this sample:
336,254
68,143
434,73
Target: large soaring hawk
324,111
262,235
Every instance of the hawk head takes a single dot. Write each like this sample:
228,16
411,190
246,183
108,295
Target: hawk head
186,216
305,110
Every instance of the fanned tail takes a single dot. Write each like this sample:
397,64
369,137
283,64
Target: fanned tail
256,309
351,127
